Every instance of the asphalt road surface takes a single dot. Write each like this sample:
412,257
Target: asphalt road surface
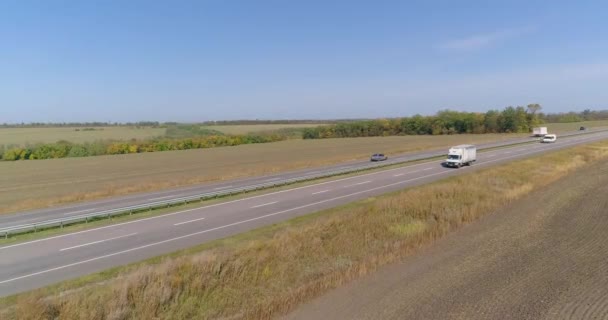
27,217
544,257
41,262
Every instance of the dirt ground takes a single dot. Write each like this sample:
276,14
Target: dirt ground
543,257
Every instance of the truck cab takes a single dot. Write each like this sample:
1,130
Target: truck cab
461,155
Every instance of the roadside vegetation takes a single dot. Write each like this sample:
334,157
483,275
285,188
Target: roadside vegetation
269,271
176,137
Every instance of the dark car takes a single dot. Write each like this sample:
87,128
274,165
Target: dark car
378,157
582,129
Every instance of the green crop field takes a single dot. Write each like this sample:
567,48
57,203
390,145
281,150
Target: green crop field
31,184
255,128
21,136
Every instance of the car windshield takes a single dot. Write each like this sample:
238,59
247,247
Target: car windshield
453,157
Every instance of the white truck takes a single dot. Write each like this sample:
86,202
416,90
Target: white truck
548,138
539,131
461,155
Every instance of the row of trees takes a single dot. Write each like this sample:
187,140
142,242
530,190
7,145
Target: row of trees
511,119
586,115
64,149
79,124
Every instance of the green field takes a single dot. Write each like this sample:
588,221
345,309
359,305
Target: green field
22,136
39,183
256,128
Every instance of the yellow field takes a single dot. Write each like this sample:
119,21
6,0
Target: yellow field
31,184
21,136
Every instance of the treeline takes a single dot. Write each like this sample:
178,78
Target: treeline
156,124
81,124
65,149
509,120
586,115
254,122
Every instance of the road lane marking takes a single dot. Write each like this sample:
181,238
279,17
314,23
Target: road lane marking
221,188
97,229
319,192
245,221
490,155
364,182
263,205
95,242
507,152
427,169
398,174
180,223
540,149
72,212
206,231
159,198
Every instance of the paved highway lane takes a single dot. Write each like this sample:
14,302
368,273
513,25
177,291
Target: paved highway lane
41,262
20,218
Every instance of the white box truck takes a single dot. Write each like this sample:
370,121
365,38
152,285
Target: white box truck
461,155
539,131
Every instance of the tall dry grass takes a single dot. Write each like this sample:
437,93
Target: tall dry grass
268,276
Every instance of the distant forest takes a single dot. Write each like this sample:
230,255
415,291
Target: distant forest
585,115
510,120
156,124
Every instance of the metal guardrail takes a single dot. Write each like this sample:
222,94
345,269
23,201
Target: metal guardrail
199,197
61,222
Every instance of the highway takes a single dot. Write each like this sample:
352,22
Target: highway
37,263
35,216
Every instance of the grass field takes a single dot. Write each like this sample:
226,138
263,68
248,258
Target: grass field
33,184
269,271
21,136
573,126
256,128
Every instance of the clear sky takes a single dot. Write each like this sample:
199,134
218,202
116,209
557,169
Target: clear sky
202,60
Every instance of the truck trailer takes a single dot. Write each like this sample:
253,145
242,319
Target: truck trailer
539,131
461,155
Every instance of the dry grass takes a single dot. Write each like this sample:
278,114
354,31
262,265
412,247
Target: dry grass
21,136
255,128
287,265
33,184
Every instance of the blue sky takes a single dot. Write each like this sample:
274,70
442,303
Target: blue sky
227,59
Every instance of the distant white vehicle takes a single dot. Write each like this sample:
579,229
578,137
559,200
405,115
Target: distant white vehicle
539,131
461,155
548,138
